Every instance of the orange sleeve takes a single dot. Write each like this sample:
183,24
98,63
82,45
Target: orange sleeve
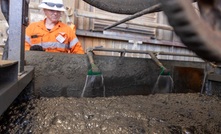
77,49
72,26
27,46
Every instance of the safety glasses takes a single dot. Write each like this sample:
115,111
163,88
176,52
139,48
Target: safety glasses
53,4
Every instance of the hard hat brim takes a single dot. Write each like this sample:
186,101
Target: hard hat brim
45,6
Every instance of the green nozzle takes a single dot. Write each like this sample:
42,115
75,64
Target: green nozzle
94,70
164,71
90,72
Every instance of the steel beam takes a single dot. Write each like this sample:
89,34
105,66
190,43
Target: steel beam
18,19
118,37
11,89
214,77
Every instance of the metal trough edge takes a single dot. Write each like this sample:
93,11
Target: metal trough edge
11,90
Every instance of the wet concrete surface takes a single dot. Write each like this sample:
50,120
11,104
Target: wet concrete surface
58,74
153,114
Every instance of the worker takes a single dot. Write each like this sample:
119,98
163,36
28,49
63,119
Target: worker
50,34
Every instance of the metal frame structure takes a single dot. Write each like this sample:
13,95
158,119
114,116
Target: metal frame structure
18,19
14,76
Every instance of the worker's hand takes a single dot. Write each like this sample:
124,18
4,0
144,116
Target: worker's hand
36,48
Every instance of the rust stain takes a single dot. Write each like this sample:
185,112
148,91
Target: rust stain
188,79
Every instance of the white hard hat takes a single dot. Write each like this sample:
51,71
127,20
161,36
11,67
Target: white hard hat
56,5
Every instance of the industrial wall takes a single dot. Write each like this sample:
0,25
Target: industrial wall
149,32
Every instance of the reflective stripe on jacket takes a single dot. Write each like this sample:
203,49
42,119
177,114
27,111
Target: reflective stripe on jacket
59,39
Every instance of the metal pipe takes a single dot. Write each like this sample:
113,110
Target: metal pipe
154,58
94,68
141,52
152,54
90,55
143,12
123,51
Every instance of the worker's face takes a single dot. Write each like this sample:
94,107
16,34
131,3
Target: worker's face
53,15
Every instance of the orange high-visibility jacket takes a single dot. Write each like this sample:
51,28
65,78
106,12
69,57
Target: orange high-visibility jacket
59,39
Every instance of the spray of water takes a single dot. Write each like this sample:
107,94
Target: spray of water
94,86
164,84
85,85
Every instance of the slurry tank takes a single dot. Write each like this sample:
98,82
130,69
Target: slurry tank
52,102
59,74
